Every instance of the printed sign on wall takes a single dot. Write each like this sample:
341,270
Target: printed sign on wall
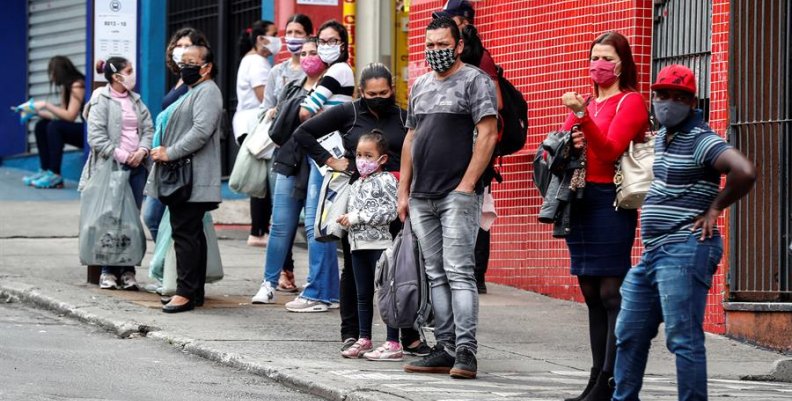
115,31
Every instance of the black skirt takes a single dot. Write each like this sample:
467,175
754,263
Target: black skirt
600,238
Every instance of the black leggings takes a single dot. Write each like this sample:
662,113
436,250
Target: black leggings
603,301
260,215
52,136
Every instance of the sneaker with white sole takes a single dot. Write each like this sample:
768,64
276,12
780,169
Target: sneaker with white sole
265,294
389,352
108,281
304,305
48,180
357,349
334,305
28,180
128,281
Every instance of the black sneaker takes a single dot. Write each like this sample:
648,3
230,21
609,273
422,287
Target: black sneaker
438,361
465,366
422,349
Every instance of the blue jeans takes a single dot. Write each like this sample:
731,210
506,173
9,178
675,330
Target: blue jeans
323,281
137,180
670,284
153,211
446,230
285,219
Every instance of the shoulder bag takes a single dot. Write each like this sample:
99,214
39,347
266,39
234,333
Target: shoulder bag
634,171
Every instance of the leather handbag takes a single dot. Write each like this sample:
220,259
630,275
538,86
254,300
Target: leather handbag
175,181
634,174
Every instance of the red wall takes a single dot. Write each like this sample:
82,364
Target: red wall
543,47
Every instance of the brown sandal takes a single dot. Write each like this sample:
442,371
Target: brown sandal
286,283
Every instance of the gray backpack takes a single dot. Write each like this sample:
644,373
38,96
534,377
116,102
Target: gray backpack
402,285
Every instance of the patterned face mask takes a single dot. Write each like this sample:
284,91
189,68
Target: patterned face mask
440,60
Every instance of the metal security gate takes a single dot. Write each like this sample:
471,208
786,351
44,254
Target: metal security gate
55,27
222,21
761,124
683,35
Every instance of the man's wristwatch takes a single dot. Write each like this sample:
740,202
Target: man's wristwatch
580,114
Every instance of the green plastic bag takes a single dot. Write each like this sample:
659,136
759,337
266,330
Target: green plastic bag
249,175
111,233
163,262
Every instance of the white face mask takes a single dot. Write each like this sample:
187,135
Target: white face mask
274,45
329,53
129,81
177,54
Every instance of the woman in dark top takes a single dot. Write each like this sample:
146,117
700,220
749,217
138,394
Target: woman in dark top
376,109
181,40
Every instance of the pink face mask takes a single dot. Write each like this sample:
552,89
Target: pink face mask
603,72
367,167
312,65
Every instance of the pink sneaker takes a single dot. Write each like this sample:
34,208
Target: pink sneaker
389,352
357,349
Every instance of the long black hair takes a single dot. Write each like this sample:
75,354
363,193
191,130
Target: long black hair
248,37
342,32
62,73
474,49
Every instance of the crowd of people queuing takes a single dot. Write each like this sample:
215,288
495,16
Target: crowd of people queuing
425,164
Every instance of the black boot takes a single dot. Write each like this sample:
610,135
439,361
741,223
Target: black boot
592,379
603,388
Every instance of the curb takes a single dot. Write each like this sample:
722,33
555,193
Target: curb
310,384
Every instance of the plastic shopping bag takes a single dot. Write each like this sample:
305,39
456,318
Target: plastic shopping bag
259,142
333,199
111,233
250,174
163,262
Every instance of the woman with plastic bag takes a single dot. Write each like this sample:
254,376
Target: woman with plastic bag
186,176
119,133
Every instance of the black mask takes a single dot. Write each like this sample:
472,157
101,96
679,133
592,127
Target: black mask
380,104
190,74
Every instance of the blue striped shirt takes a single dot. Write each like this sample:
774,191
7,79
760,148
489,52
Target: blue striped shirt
685,182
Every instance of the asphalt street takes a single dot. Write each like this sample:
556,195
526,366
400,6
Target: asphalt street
45,357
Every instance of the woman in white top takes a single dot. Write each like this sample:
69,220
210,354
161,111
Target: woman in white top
257,43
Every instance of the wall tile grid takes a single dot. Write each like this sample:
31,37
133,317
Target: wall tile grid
543,47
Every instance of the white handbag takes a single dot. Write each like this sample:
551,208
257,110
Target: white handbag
634,174
260,144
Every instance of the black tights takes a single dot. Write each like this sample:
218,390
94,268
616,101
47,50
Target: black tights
603,301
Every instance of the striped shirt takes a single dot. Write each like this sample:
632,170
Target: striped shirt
685,182
336,87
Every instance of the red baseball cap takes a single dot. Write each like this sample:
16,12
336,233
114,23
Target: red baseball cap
675,77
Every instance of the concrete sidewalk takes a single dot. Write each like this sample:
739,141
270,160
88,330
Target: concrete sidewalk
532,347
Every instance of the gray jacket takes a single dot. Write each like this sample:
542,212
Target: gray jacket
194,129
104,117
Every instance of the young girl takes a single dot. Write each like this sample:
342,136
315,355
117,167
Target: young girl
119,128
371,209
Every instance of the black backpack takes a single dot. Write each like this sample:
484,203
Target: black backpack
287,117
514,117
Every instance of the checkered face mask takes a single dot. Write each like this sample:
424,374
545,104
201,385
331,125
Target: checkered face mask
440,60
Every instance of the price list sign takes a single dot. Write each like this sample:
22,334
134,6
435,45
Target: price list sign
115,31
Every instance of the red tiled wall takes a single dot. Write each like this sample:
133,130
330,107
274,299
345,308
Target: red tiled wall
543,47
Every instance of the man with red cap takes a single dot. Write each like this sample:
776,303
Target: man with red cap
682,244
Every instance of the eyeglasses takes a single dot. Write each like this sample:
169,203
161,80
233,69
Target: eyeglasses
331,42
183,65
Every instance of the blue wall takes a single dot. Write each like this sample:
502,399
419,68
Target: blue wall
13,76
152,42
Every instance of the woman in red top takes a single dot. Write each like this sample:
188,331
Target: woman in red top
601,238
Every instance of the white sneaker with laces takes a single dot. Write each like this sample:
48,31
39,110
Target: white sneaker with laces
107,281
128,281
265,294
303,305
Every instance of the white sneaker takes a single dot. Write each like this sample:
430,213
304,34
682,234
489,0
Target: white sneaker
107,281
303,305
128,281
265,294
334,305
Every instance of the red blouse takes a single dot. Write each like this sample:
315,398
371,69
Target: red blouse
608,134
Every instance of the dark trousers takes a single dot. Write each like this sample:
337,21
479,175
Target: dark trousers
52,136
260,215
482,253
190,244
348,296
